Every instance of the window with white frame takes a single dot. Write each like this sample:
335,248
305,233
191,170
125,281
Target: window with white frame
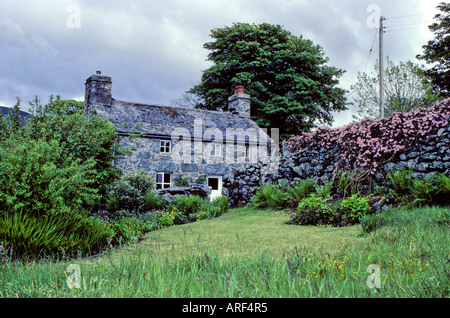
165,146
163,180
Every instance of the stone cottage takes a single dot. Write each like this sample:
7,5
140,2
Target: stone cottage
184,143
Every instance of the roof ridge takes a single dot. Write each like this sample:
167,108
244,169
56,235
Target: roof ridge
177,107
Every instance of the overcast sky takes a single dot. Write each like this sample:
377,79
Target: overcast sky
153,49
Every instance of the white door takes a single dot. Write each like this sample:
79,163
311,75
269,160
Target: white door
216,184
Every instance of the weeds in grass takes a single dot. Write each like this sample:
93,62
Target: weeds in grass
409,246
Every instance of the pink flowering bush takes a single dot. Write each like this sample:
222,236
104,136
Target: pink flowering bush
368,144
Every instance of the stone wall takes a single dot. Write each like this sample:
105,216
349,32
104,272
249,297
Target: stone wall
431,156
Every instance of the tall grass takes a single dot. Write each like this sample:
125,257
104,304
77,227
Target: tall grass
410,247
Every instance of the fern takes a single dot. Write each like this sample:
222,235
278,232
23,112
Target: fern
425,191
303,189
324,191
270,195
345,184
402,181
444,182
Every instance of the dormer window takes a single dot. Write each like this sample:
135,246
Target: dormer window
165,146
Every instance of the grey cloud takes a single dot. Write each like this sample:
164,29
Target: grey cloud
153,50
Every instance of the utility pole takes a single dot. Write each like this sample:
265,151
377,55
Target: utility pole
380,51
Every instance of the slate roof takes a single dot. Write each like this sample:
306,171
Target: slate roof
158,120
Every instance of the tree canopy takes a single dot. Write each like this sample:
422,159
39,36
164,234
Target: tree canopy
57,161
291,86
437,51
405,88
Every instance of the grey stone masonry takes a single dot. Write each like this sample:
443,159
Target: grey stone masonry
239,103
182,142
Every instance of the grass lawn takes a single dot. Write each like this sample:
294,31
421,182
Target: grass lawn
248,253
245,232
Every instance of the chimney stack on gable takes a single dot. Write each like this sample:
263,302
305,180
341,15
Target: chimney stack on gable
97,92
239,103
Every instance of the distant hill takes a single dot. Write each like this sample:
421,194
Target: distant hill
4,111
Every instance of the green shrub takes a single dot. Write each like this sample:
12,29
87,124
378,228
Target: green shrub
354,207
129,193
433,189
424,191
35,177
222,203
313,210
153,201
443,196
166,220
270,195
180,218
128,230
187,204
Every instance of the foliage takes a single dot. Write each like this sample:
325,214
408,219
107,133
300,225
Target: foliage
291,85
405,89
37,177
131,192
354,207
315,210
187,204
58,161
301,190
325,190
181,181
270,195
432,189
202,179
345,184
31,236
87,139
195,207
306,262
11,122
370,143
153,201
436,52
127,230
401,181
222,202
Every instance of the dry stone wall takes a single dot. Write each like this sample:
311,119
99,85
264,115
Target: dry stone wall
431,156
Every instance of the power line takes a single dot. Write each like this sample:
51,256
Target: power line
407,24
401,30
405,16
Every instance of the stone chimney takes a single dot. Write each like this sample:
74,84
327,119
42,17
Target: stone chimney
239,103
97,93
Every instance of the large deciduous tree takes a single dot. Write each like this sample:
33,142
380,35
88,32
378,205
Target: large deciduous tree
437,51
291,85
